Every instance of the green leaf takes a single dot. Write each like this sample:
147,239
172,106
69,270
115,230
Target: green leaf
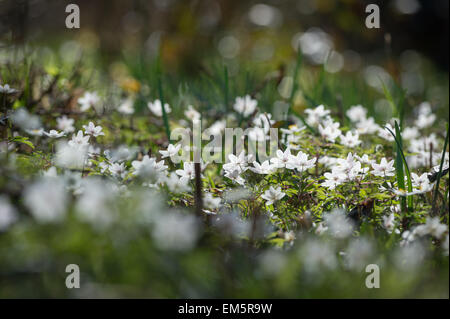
22,140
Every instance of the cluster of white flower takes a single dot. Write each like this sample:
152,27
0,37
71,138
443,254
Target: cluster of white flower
425,151
74,153
283,160
317,115
358,116
344,170
47,198
236,166
292,136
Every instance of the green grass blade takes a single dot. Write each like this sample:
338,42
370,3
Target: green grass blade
408,173
225,88
398,107
389,97
294,79
164,114
161,98
438,180
400,173
295,87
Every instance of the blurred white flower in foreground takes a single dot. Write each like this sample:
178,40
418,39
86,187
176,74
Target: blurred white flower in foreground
445,245
118,170
96,204
23,119
338,224
8,214
272,262
359,254
51,172
150,206
71,156
409,257
320,229
432,227
231,224
318,256
176,231
46,199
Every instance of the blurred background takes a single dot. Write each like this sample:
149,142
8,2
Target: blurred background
257,42
343,62
186,31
